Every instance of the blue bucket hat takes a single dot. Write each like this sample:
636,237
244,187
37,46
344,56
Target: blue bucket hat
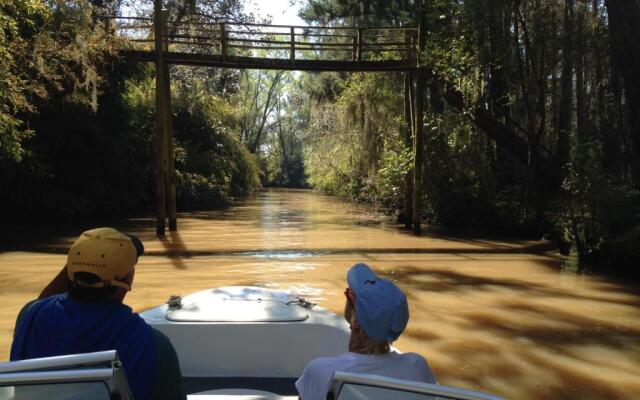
381,307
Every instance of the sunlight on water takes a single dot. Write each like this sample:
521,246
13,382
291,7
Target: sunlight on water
507,317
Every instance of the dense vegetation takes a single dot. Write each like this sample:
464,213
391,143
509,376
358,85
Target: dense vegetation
551,77
532,123
77,127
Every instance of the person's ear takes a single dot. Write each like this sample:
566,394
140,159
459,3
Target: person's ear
348,311
353,323
128,279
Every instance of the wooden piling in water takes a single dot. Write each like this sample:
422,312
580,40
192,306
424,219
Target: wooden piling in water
408,136
161,164
165,164
168,135
419,130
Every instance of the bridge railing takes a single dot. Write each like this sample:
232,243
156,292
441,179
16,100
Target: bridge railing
270,41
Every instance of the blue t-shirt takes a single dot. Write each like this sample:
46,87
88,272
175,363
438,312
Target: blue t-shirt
60,325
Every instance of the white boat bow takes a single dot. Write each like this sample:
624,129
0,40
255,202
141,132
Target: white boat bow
233,343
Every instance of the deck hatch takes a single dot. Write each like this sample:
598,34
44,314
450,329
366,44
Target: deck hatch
238,304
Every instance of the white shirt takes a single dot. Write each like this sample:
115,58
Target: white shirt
315,382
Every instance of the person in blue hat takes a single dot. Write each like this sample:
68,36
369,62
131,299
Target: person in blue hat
377,313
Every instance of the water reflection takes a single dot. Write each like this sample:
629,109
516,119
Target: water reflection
506,316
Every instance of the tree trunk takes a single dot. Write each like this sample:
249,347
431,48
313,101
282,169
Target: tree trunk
511,140
245,127
566,94
283,148
419,130
582,125
607,130
408,137
256,142
497,65
624,19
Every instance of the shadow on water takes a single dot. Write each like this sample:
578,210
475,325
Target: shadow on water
557,351
579,330
442,280
518,329
39,236
174,249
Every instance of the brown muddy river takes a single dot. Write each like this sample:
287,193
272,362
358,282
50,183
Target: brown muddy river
498,316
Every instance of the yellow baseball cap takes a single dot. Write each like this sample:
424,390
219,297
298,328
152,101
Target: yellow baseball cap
106,253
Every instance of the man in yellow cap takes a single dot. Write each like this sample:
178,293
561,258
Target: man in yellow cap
82,311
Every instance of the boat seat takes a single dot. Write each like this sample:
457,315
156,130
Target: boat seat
238,394
95,376
350,386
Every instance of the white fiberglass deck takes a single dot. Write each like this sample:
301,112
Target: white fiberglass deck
248,332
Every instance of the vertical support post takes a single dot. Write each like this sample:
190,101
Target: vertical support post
171,169
359,44
408,135
414,48
419,131
161,166
168,132
408,130
293,44
223,39
354,52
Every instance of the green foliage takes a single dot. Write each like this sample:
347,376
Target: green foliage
535,75
45,48
274,115
283,168
451,53
599,214
77,127
329,157
208,146
18,20
394,167
197,192
462,188
351,145
349,12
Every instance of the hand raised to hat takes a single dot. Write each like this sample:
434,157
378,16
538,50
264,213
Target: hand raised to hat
58,285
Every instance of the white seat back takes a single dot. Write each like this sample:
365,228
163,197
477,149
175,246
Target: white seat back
350,386
73,377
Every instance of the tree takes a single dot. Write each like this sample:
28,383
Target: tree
530,77
45,49
263,95
624,17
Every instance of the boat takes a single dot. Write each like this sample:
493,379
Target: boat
233,343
